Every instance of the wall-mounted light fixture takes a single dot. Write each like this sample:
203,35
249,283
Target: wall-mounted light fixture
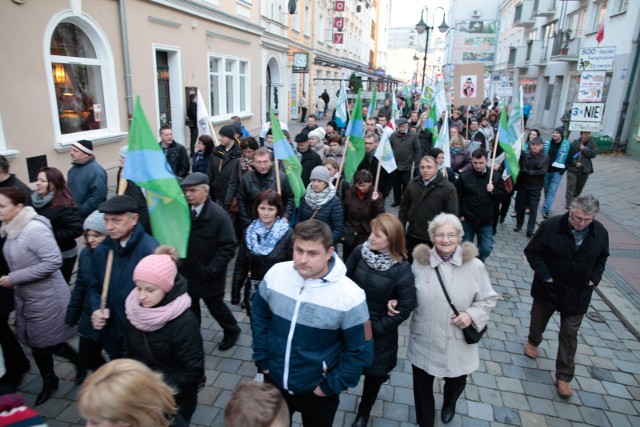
59,75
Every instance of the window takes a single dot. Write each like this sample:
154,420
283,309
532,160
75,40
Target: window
229,85
619,6
576,23
599,14
549,32
83,96
296,21
320,31
307,20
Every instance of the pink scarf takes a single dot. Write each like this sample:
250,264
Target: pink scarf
153,319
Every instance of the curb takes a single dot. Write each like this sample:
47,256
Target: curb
628,314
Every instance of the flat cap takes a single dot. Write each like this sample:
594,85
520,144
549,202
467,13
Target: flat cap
119,204
196,178
401,121
536,140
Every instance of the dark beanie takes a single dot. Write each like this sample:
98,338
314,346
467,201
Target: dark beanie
559,129
302,137
227,130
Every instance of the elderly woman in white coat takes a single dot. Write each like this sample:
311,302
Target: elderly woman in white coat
41,294
437,347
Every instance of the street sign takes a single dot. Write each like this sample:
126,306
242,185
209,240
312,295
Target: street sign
596,58
592,78
338,38
587,126
585,112
338,22
339,5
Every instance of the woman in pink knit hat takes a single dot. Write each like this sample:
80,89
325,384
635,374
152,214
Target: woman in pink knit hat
162,332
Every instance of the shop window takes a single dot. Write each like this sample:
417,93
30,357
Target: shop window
229,86
83,97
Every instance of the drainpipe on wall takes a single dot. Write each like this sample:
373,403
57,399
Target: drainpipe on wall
617,144
125,58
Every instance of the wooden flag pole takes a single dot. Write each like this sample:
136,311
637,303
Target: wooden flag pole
495,149
279,189
467,128
344,156
375,186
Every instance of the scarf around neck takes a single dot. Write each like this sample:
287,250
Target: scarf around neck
39,201
154,318
318,200
12,229
261,240
456,151
561,155
379,261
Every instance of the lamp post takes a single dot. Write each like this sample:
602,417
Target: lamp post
422,27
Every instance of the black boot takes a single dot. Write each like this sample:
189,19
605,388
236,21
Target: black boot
361,421
66,351
452,392
49,384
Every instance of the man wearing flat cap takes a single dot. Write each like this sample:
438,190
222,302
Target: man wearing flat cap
129,243
222,165
87,180
212,244
406,150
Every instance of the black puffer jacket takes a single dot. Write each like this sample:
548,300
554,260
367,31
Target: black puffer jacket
178,159
474,201
552,254
253,183
381,286
222,166
175,350
256,266
65,222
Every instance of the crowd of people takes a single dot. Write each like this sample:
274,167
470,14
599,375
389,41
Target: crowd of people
320,318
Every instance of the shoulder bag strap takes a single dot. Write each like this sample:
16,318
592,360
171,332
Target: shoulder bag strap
315,212
453,307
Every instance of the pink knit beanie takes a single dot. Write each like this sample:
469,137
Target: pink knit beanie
158,269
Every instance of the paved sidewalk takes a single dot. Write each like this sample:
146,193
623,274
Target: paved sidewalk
509,388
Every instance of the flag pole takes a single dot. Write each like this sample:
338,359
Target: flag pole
495,145
344,156
375,186
279,189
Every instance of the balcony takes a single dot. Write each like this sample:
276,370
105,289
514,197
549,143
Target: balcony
522,17
565,49
543,8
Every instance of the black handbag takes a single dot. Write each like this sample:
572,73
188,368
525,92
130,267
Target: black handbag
348,236
471,334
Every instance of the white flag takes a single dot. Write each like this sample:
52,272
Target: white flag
203,123
384,154
341,107
443,140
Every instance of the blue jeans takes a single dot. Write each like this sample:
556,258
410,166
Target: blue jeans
485,238
551,184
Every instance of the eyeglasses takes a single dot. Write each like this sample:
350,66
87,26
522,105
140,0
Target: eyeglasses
581,220
450,236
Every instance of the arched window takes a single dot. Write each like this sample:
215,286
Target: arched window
83,94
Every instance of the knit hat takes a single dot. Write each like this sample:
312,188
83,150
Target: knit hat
95,222
84,146
454,127
302,137
536,140
123,151
318,133
559,129
227,130
321,174
158,269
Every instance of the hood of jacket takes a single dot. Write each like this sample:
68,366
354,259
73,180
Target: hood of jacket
337,271
465,252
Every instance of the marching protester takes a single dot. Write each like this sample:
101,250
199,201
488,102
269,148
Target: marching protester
557,148
222,166
337,179
175,153
579,165
317,142
321,202
460,156
533,167
370,163
406,151
87,180
200,157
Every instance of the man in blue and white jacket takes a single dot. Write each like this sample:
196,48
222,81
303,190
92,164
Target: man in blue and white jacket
311,329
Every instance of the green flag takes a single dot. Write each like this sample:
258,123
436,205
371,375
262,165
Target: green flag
355,133
372,104
282,151
507,137
147,166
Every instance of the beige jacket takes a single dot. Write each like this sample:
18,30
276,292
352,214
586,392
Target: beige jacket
436,345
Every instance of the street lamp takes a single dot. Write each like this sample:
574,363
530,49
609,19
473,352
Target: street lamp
422,27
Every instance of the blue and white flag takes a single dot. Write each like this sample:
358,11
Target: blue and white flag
384,154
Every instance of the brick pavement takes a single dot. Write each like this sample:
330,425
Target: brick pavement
508,389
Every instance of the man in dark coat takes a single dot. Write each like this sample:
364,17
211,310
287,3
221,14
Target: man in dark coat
533,167
426,196
262,177
176,154
579,165
309,159
406,150
87,180
129,243
222,166
478,193
212,244
386,109
568,255
192,120
311,125
370,163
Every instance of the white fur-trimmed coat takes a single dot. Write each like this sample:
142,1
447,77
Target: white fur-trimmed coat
436,345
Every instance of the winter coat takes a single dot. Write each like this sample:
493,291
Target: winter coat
474,201
41,294
175,350
79,309
406,149
331,214
585,157
358,212
420,205
436,345
253,183
13,181
125,259
249,265
370,163
381,286
222,165
66,225
336,156
199,163
212,244
532,171
552,254
426,141
177,158
88,186
461,162
325,342
308,160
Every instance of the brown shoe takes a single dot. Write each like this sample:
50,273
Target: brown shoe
564,388
530,350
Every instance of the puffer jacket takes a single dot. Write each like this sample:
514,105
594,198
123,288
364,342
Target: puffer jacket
381,286
331,214
178,159
66,224
79,309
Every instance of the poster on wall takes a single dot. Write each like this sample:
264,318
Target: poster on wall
467,91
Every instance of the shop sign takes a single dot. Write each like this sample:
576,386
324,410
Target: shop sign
338,38
596,58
